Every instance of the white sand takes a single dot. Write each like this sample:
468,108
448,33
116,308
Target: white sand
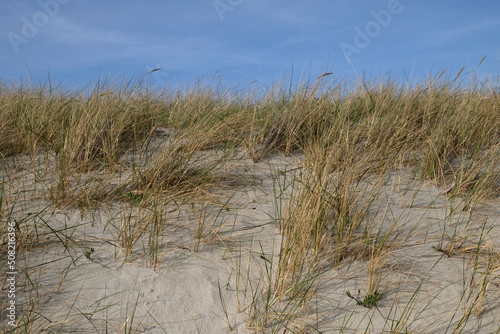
182,294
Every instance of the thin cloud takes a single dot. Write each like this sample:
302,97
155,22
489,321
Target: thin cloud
66,31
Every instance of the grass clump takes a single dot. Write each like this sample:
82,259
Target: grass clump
369,301
84,129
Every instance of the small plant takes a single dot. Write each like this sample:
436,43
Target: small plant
369,301
135,197
89,252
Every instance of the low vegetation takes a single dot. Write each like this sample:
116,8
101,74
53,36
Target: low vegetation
148,153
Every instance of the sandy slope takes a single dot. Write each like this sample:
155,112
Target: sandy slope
70,292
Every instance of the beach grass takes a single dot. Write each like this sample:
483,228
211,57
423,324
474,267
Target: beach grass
361,147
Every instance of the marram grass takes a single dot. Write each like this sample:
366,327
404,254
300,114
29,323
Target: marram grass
156,152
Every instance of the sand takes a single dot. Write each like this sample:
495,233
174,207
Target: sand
193,285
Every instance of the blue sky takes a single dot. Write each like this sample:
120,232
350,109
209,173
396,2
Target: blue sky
239,41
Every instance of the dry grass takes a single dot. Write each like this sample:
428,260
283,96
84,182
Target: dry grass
101,147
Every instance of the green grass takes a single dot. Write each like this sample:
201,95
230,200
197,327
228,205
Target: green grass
368,301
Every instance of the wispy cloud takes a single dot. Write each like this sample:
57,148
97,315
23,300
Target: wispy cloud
470,29
68,32
109,44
